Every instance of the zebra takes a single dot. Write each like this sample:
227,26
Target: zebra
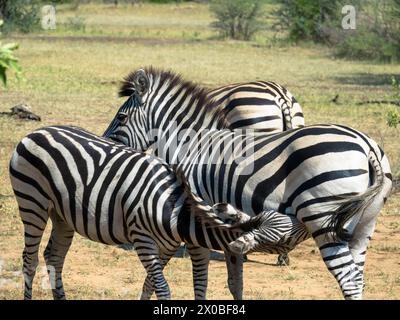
269,231
262,105
332,178
111,194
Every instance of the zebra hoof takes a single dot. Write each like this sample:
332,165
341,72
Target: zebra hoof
283,260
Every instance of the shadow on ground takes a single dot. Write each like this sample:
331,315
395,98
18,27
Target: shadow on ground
367,79
214,255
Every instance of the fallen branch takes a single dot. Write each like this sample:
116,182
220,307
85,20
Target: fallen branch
396,103
22,111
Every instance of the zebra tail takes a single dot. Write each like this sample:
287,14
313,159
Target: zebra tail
357,204
202,212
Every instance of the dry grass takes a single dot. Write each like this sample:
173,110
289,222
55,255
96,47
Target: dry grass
73,81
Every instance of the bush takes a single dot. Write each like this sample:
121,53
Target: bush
8,60
307,19
22,15
237,19
377,36
393,118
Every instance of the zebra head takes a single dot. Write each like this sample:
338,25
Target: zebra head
130,125
162,112
268,231
230,215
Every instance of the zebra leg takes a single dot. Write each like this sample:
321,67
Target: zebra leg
200,259
234,264
55,252
34,220
359,243
340,263
148,289
148,252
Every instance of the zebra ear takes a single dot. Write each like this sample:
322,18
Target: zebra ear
141,82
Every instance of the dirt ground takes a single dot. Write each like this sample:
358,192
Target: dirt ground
95,271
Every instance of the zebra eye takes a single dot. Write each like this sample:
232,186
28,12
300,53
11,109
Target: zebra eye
122,117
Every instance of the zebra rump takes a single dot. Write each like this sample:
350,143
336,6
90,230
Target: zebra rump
269,231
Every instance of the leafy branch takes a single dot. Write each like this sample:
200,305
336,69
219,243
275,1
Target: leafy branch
8,61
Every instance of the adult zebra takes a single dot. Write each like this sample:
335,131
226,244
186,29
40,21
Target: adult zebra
111,194
262,105
334,179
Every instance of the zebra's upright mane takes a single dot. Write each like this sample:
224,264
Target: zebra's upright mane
199,92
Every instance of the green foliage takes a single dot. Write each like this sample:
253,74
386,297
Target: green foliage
377,36
21,15
393,118
237,19
8,60
306,19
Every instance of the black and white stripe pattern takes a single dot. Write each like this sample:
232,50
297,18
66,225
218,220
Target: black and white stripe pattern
262,105
268,231
108,193
333,179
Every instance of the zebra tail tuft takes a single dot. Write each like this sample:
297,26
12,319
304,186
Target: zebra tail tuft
358,203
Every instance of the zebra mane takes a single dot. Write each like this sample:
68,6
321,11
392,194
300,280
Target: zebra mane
127,88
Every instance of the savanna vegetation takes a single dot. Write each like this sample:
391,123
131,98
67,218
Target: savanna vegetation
70,75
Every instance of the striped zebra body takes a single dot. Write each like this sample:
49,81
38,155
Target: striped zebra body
333,179
269,231
262,105
108,193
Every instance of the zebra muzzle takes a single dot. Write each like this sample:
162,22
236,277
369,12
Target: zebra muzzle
243,244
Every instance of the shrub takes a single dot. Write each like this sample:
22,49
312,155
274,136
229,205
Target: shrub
306,19
377,36
237,19
393,118
22,15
